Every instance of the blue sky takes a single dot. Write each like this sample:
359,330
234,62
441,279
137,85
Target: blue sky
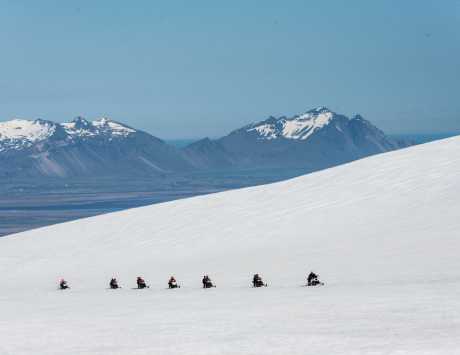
183,69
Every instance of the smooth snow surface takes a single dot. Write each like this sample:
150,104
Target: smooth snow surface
383,233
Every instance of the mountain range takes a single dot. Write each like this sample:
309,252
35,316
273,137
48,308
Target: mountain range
314,140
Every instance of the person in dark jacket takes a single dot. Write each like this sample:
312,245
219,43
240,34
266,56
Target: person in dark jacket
141,283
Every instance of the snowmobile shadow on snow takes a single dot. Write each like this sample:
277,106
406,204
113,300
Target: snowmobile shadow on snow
314,285
259,285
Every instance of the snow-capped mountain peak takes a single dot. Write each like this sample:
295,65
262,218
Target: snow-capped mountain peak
80,127
81,147
298,127
21,133
26,129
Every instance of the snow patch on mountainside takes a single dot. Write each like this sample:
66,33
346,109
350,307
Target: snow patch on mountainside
305,125
267,131
114,127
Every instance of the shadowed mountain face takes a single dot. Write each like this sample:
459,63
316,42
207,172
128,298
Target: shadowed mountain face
314,140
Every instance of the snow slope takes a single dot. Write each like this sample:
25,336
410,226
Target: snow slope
383,232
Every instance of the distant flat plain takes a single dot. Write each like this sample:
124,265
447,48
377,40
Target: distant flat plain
30,204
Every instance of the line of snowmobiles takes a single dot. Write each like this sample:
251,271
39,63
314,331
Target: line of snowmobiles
312,280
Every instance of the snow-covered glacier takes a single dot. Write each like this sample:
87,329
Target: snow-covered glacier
382,232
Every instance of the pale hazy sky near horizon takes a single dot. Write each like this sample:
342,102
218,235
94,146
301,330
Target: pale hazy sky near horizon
182,69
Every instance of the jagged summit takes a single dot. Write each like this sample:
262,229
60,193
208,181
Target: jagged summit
320,109
299,127
102,126
20,134
80,121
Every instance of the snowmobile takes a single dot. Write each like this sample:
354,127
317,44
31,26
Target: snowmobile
172,283
207,283
141,283
114,284
312,280
63,284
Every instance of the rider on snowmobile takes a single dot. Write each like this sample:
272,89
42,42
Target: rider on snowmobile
63,284
141,282
312,279
257,281
114,283
172,283
207,283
